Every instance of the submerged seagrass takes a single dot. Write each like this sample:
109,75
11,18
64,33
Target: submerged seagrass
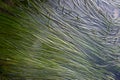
58,40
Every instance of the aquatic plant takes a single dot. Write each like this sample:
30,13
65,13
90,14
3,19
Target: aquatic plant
59,40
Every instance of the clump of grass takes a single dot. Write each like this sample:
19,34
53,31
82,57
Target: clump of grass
57,40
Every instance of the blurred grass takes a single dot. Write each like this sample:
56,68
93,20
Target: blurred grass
56,40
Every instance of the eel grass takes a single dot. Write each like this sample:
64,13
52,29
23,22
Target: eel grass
58,40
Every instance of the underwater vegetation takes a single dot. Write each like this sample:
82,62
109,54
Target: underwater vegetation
59,40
